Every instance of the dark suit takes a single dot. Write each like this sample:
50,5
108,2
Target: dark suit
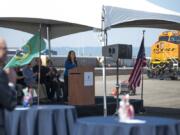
7,98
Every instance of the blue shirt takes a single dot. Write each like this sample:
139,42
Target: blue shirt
69,65
29,79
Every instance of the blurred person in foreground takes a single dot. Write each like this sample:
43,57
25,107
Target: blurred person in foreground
7,86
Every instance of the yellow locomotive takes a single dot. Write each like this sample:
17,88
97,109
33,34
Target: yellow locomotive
165,56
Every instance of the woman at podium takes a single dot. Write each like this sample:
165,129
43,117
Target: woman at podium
70,63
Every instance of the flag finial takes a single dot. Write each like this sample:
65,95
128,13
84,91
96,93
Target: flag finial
144,32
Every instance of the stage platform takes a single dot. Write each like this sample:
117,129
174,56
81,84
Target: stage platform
97,109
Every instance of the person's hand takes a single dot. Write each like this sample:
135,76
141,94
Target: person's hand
11,75
35,74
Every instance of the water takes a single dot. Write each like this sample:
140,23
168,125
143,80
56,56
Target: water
92,51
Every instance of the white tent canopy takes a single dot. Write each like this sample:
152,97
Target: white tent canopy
32,25
62,17
140,13
123,17
67,16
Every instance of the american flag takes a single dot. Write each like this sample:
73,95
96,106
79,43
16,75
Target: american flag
135,77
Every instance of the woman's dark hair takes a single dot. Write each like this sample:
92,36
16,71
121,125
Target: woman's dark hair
69,56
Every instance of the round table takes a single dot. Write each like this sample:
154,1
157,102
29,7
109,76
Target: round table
139,126
41,120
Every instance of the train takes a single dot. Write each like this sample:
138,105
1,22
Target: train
165,56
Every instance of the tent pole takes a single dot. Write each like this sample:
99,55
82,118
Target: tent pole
39,72
104,43
49,40
104,77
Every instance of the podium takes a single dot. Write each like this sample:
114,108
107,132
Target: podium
81,86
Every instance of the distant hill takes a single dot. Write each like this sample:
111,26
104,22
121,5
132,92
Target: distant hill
80,51
92,51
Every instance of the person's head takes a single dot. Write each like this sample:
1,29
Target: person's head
17,69
71,55
38,61
29,65
49,62
3,50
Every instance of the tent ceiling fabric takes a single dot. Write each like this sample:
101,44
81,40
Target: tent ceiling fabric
150,24
32,25
122,17
68,16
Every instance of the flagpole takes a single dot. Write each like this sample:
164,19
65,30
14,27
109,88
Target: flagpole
39,72
142,77
142,84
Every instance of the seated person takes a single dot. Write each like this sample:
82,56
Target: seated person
53,86
20,77
44,71
29,76
20,84
43,77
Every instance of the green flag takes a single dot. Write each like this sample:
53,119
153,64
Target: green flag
27,52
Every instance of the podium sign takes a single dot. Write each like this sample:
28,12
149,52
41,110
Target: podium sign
88,78
81,87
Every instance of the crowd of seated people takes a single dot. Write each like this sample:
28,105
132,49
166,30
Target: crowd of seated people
50,88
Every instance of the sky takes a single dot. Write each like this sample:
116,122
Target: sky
132,36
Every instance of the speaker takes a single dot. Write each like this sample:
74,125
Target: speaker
116,51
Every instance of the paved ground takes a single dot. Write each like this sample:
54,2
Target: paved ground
161,97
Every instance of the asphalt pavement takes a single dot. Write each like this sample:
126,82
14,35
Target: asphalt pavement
161,97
